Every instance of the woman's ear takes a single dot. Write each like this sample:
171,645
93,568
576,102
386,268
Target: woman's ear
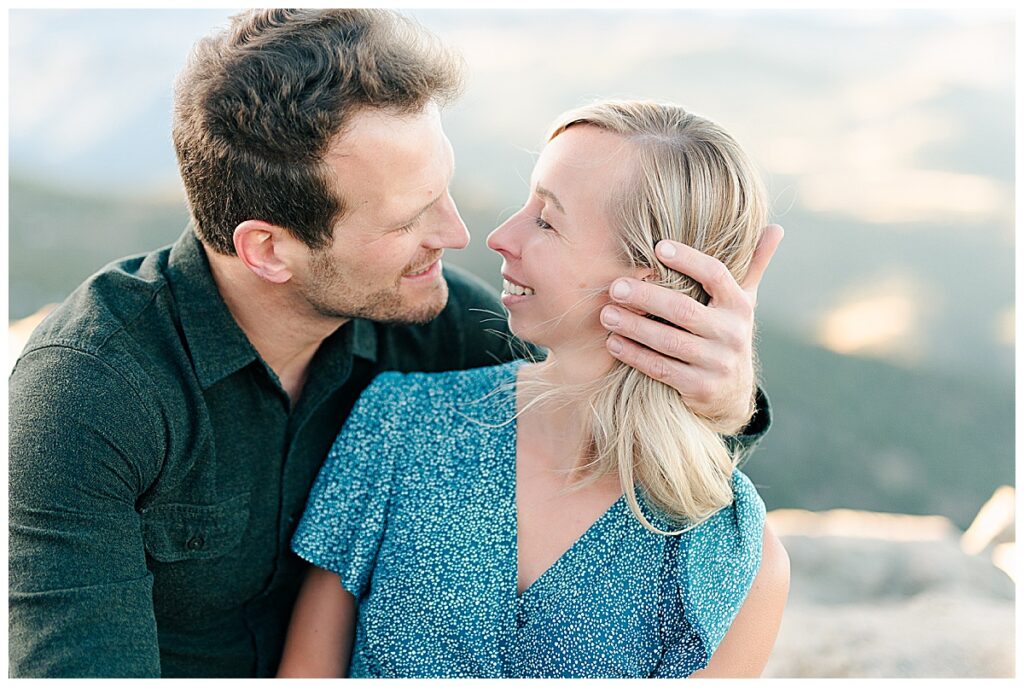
645,274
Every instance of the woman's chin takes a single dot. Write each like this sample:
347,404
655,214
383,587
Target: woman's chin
529,334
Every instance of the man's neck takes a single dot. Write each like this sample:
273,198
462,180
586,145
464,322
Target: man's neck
285,332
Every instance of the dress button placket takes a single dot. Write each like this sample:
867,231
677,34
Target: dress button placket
520,613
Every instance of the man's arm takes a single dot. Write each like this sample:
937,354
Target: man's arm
708,355
82,449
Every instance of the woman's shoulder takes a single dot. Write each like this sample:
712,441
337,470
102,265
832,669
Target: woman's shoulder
730,537
402,410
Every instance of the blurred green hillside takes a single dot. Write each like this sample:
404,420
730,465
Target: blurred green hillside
57,239
859,433
849,432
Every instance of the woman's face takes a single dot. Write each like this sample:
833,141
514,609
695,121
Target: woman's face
560,252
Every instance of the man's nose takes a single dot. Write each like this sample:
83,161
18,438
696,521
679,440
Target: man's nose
452,232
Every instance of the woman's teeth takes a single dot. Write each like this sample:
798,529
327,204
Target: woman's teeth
516,289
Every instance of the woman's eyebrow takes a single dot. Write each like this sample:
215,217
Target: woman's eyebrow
548,195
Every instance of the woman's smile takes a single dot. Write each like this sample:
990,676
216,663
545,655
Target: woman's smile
513,292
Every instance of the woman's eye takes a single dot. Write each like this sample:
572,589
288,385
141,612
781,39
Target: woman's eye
542,224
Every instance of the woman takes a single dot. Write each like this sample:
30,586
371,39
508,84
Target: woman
570,518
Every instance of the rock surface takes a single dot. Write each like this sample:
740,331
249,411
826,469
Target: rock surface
869,600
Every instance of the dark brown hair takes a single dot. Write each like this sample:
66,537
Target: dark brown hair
257,107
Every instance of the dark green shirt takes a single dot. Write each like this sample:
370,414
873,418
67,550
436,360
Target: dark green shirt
158,468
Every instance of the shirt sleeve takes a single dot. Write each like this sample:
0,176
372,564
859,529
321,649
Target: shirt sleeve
82,447
715,565
745,442
346,514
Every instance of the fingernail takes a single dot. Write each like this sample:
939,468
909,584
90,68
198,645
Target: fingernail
615,345
611,316
666,249
621,290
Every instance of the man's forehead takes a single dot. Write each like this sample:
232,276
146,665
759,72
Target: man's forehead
370,129
390,168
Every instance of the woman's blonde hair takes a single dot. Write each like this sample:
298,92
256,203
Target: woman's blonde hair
693,184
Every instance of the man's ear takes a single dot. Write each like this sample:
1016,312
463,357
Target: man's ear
258,245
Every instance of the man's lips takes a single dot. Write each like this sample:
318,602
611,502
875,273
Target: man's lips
424,271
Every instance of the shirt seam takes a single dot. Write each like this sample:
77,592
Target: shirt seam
58,344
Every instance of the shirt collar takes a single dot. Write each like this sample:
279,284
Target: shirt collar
218,345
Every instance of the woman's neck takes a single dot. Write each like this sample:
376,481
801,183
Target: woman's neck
555,425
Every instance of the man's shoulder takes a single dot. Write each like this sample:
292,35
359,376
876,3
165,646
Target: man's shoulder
121,324
116,298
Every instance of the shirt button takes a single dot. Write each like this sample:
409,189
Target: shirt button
521,618
195,543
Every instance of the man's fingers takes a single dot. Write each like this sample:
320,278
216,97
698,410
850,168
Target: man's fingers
671,341
766,248
671,306
680,376
710,272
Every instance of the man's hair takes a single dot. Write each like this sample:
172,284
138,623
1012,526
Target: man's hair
258,105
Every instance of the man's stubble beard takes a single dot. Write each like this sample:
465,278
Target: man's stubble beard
329,295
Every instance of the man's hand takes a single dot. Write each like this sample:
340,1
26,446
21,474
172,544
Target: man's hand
710,363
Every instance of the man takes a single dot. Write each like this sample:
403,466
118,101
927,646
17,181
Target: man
169,418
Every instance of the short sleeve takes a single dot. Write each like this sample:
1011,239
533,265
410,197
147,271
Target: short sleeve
346,513
714,567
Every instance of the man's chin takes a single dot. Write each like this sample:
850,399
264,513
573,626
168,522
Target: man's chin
420,313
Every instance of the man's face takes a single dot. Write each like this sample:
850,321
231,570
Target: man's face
384,264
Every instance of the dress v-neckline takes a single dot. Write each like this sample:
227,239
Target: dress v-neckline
568,554
592,531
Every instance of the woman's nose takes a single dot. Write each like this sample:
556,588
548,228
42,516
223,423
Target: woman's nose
503,239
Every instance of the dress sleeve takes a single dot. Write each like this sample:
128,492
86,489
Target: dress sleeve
346,514
711,571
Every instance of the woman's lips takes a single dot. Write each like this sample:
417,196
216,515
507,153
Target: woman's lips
513,292
515,288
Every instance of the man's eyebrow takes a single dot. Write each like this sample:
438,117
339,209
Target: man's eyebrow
544,193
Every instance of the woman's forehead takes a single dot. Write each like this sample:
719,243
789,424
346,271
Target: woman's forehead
583,160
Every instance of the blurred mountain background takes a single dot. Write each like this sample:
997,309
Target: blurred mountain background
886,320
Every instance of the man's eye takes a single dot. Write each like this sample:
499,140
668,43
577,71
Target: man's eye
542,224
409,227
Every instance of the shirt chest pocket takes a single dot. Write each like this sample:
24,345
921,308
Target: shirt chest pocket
175,532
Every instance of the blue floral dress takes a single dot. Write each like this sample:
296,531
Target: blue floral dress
414,509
